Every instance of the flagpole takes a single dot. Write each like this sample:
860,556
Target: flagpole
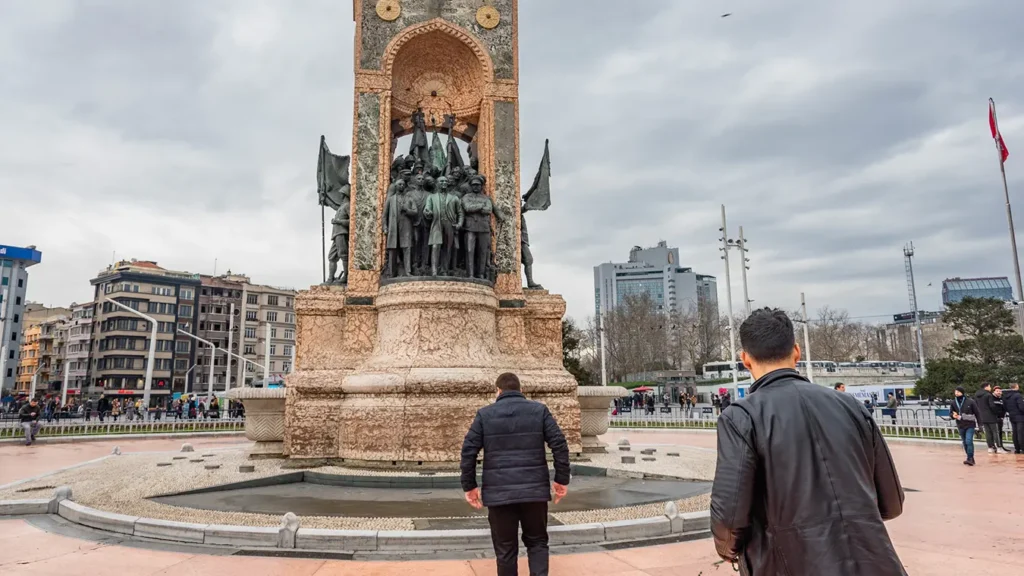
1000,152
324,242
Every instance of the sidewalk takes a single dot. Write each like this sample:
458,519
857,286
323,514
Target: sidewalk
951,511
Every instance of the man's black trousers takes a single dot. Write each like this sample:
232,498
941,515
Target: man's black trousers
1018,436
992,436
505,522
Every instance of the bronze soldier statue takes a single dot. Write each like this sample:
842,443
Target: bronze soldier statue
527,254
399,212
478,209
339,237
419,147
444,210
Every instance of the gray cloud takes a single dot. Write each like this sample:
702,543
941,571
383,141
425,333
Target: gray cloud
834,132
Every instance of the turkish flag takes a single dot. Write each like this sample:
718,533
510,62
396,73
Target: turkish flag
994,126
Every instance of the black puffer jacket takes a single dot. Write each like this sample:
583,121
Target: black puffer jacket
986,402
512,433
1014,403
803,483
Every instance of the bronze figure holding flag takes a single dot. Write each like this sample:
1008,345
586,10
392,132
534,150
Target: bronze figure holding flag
333,189
538,198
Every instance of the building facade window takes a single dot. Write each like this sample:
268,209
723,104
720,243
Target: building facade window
250,315
272,300
250,332
252,299
271,316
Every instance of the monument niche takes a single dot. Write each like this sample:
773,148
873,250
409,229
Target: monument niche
401,346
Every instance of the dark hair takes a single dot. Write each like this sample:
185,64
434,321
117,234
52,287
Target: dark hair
961,390
838,384
767,335
507,381
986,385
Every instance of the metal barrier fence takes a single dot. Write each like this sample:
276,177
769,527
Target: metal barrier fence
109,427
912,416
939,429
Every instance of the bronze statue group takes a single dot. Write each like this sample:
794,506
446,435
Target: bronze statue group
437,215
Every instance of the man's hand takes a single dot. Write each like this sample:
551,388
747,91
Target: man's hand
473,497
559,490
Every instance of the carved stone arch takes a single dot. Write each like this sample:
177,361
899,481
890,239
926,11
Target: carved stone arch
439,67
438,25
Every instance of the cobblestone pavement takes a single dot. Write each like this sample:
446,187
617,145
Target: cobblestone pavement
956,520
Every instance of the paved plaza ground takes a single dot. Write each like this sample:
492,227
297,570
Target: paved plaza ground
956,520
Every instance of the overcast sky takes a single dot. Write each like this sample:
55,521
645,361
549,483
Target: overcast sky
834,132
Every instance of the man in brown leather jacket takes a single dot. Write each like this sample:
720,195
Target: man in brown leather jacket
804,479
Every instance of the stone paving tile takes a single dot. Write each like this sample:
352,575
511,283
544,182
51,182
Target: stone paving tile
100,561
241,566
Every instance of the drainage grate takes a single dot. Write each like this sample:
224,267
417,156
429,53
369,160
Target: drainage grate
312,554
36,489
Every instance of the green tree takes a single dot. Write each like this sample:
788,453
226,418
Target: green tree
571,337
989,349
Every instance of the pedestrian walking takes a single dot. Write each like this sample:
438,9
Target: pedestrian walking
804,480
29,418
987,416
725,401
517,487
965,411
1014,403
88,409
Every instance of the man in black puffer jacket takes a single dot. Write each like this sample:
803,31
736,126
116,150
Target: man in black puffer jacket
804,479
1014,403
987,416
516,484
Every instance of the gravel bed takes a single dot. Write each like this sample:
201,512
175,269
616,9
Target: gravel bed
691,464
123,484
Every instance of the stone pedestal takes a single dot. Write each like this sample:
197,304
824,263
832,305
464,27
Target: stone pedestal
594,417
438,348
264,419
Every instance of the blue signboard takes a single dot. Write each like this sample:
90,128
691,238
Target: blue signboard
16,253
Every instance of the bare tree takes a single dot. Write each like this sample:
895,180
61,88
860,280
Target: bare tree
636,337
834,337
697,336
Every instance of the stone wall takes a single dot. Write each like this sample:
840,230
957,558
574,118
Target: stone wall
377,33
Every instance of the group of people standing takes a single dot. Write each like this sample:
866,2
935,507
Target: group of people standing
987,410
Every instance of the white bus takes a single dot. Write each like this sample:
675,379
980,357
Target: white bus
724,370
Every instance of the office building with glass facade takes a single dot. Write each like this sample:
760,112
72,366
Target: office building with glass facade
656,272
956,289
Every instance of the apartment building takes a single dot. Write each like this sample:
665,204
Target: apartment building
237,315
79,334
220,311
14,264
268,338
28,360
120,339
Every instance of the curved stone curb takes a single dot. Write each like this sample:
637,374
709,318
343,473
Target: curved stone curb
291,536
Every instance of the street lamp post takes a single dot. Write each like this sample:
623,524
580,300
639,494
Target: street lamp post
152,351
807,338
266,370
208,343
231,339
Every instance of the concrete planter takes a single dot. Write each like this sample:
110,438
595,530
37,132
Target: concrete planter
594,416
264,419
